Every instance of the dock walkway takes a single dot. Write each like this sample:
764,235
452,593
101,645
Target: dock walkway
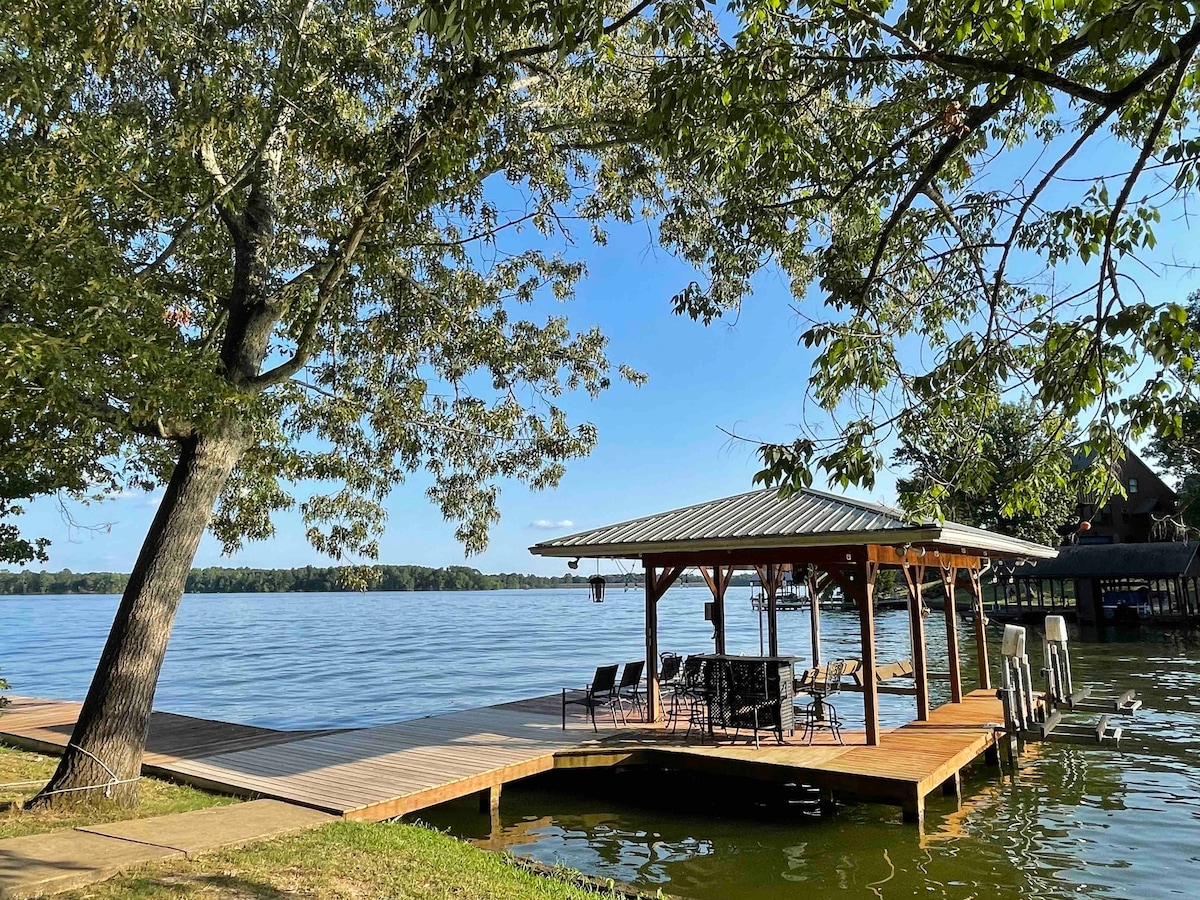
389,770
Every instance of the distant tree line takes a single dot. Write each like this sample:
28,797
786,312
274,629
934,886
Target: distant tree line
307,578
217,580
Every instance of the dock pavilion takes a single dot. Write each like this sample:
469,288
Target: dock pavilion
825,540
397,768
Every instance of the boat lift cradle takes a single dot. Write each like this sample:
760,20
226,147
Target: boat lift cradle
1027,718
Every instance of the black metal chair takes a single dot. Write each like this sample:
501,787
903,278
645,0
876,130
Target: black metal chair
629,690
819,713
689,697
602,692
749,702
669,669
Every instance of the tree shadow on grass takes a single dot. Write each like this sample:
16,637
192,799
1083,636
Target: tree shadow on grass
185,885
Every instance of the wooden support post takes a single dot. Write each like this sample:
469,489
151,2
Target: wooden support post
828,802
866,620
914,809
718,583
952,787
949,583
489,800
913,576
771,576
991,755
772,625
657,582
981,649
653,700
719,609
814,603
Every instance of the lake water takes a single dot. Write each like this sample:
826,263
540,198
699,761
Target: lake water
1078,822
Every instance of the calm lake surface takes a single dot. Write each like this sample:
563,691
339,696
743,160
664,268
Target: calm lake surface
1078,822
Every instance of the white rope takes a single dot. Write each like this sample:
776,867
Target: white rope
113,780
93,787
111,774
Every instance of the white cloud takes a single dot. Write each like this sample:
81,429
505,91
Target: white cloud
546,524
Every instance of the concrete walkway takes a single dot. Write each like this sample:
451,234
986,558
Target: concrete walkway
41,864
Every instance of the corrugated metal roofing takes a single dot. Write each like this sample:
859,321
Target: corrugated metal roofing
763,519
1116,561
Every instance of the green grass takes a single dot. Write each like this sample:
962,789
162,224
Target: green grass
344,860
157,798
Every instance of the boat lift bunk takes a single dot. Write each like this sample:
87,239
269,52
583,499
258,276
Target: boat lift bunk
1053,716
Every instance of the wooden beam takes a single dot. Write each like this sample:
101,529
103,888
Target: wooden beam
858,584
981,648
718,582
813,582
866,620
913,576
653,702
657,583
771,577
949,583
888,555
749,559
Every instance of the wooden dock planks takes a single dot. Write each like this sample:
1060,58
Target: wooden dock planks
390,770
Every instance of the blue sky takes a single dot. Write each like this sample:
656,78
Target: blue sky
661,445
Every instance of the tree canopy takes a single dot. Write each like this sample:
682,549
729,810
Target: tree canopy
299,224
256,250
1178,454
1008,470
968,209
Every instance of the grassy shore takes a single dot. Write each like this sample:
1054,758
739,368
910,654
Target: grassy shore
345,860
158,798
341,860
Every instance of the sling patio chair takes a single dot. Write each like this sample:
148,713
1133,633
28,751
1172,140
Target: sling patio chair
629,690
602,692
821,684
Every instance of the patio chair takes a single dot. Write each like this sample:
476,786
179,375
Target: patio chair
688,697
629,690
670,671
602,692
748,701
820,685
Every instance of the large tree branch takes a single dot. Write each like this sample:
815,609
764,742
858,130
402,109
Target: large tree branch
1160,120
123,420
976,117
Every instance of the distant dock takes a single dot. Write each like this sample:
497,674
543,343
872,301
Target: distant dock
377,773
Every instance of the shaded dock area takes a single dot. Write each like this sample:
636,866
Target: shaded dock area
390,770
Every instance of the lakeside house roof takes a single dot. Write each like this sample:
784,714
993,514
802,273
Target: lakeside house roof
761,519
1166,559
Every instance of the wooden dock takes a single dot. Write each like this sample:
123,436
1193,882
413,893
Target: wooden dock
389,770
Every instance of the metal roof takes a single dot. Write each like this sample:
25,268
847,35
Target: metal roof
764,520
1166,559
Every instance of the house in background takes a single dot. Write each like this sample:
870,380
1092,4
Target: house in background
1141,516
1153,575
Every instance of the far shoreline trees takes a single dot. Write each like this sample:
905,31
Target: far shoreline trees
318,579
303,579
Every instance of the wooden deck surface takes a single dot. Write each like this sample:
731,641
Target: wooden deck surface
389,770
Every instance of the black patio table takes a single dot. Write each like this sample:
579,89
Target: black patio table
752,693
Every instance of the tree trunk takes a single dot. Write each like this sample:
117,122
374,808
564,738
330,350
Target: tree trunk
107,743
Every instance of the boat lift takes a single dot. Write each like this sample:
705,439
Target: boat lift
1044,718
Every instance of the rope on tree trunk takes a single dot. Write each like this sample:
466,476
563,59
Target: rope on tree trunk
113,780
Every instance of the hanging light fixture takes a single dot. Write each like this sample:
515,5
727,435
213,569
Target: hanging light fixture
596,584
